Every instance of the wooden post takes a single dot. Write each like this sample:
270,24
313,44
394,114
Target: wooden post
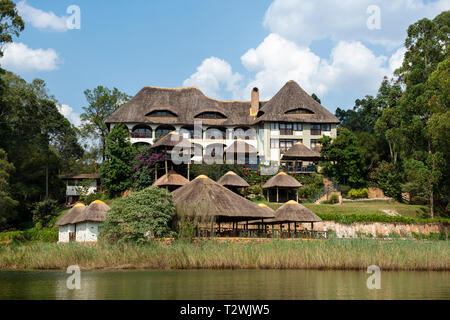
189,171
312,226
296,191
278,197
167,171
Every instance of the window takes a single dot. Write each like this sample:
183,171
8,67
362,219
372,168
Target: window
162,113
298,126
313,143
216,133
326,127
274,144
187,132
286,129
274,126
244,134
284,145
141,131
211,115
163,131
316,130
300,111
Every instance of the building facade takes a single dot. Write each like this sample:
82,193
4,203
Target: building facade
272,127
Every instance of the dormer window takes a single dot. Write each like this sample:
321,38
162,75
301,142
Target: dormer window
162,114
210,115
300,111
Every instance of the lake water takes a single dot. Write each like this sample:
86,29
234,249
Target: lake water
237,284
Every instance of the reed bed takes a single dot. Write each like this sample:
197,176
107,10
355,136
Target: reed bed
278,254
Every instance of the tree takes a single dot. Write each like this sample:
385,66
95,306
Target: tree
315,97
7,204
139,217
102,103
11,24
344,159
116,171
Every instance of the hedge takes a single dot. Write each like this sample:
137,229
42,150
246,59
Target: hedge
352,218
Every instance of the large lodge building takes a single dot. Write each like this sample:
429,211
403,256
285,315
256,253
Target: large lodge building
283,130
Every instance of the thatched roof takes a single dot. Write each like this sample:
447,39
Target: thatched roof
171,140
171,179
292,211
203,194
292,97
231,179
95,212
241,147
301,152
71,216
187,103
282,180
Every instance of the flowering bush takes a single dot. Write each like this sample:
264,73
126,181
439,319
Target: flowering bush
144,165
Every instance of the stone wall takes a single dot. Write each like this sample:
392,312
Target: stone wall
377,228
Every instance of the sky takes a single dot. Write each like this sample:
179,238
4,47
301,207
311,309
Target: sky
339,50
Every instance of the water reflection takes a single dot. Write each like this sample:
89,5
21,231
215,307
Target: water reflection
238,284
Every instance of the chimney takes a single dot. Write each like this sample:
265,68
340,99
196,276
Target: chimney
254,109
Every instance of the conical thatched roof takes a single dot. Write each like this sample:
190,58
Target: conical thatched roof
71,216
172,140
95,212
282,180
266,208
300,151
292,97
204,197
241,147
231,179
171,179
292,211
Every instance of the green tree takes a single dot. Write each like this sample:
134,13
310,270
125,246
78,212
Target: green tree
139,217
344,159
7,204
11,24
102,103
116,171
315,97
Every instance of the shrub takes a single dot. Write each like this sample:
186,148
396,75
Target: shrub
45,235
334,198
140,216
388,178
45,211
312,185
88,199
358,193
255,192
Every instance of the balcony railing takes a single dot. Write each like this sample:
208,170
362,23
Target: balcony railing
286,132
301,169
316,132
141,135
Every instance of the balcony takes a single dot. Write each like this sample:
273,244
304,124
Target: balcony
147,135
301,169
316,132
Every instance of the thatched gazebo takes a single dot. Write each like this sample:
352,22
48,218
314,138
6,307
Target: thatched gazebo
294,212
67,224
167,145
232,181
171,181
284,182
205,198
87,224
298,154
242,151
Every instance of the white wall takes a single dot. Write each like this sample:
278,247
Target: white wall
63,236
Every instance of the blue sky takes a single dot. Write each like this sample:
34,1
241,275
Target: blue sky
223,47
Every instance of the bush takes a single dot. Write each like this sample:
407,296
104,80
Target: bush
45,235
45,211
345,190
388,178
334,198
312,185
358,193
255,192
88,199
140,216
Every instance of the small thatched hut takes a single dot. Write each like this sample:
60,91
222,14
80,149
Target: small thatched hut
67,224
88,224
242,152
299,156
206,198
233,182
171,181
285,183
293,212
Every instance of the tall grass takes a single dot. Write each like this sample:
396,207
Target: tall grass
276,254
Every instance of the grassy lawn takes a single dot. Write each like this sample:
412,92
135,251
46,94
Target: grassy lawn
362,207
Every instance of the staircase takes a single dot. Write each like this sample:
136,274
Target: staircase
329,187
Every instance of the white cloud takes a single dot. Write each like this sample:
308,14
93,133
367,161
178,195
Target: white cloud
18,57
68,112
41,19
214,76
351,67
305,20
